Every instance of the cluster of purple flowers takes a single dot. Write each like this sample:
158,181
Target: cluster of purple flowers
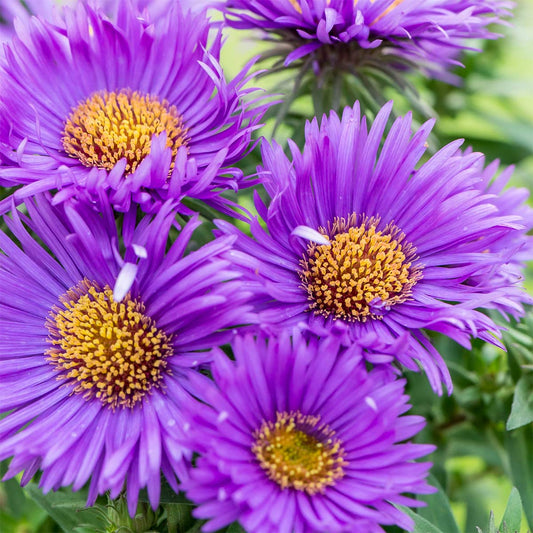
113,315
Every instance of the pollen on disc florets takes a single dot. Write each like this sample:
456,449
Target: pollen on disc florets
110,126
361,272
297,451
106,349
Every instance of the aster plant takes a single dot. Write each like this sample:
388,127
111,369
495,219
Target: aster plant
297,436
140,109
96,349
167,368
375,42
368,237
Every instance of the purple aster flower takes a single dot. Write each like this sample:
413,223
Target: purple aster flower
96,350
139,109
297,436
343,34
375,239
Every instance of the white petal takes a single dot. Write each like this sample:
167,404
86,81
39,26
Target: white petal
140,251
310,234
124,281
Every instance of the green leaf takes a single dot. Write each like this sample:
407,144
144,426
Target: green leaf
16,499
85,528
438,510
66,508
512,517
492,525
421,524
522,409
519,447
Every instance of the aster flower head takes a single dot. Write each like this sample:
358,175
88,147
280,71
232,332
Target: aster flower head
97,346
423,31
297,436
140,109
359,232
349,50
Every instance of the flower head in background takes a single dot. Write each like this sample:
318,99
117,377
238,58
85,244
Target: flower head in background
345,50
96,350
372,238
298,436
139,109
345,34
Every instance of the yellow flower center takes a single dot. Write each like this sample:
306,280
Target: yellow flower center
298,452
108,127
107,349
360,272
